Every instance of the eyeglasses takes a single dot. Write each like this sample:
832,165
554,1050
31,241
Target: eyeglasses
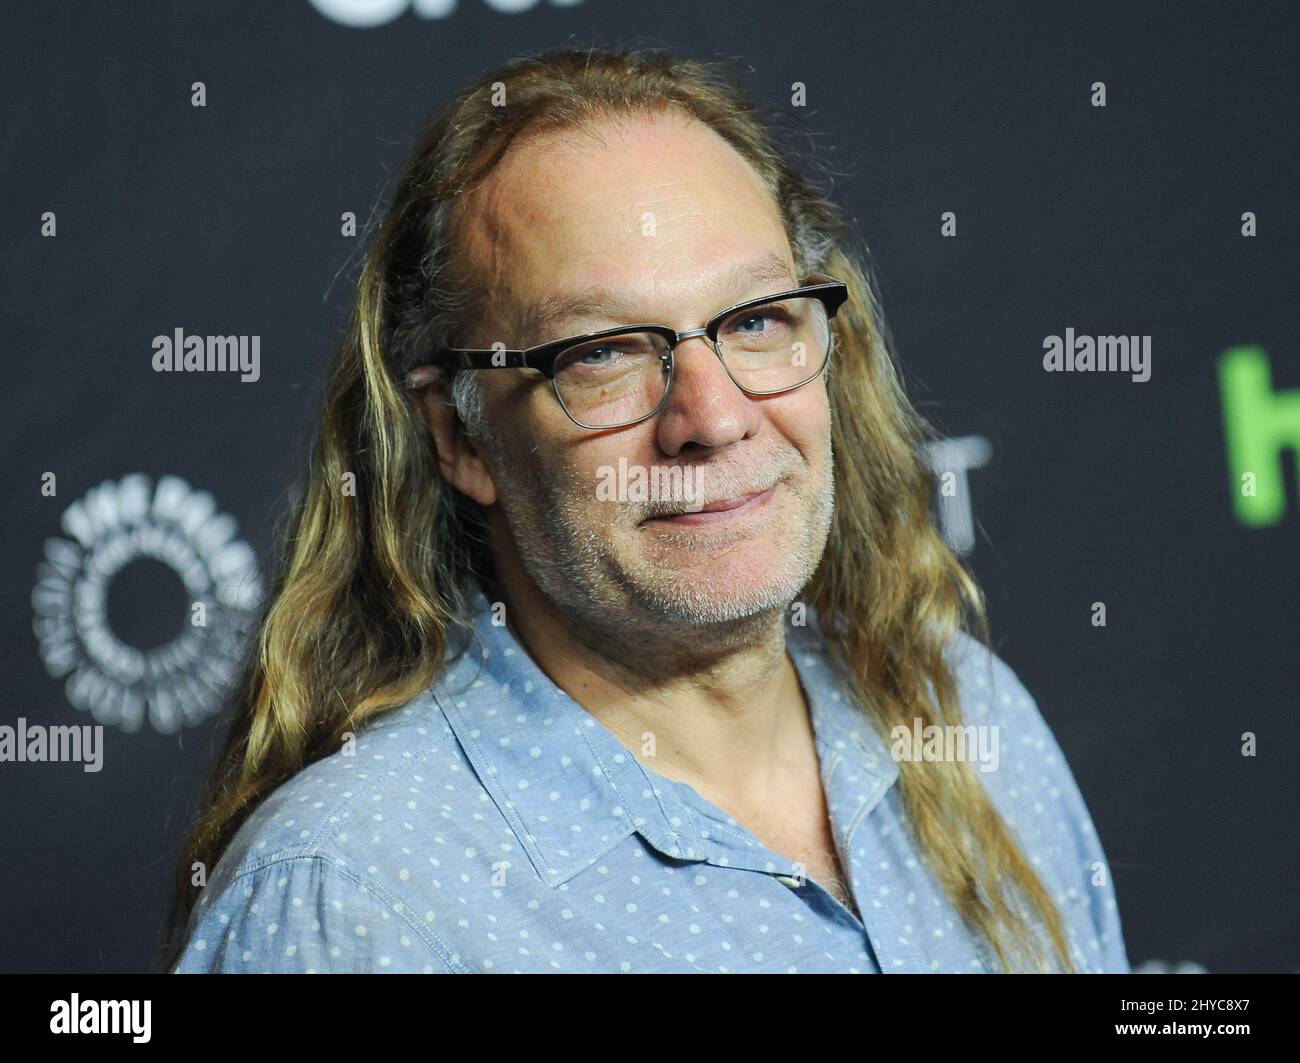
622,376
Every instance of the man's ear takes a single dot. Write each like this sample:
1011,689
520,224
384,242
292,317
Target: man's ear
458,454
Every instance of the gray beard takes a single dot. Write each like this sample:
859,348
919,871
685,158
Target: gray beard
576,568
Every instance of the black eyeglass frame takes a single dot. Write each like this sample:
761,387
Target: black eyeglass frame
831,292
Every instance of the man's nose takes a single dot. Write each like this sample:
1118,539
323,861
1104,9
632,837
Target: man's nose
705,406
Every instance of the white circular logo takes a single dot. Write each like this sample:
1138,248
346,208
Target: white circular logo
183,682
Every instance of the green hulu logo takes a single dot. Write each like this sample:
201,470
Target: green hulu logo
1258,423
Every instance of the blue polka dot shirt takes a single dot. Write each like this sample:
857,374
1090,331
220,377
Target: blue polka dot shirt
494,825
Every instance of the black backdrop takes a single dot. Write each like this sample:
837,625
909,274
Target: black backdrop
225,219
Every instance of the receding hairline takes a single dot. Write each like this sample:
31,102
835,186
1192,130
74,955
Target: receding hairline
551,309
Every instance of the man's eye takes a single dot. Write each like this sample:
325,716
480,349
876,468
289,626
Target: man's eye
757,321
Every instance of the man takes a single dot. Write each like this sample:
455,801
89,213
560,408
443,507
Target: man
520,718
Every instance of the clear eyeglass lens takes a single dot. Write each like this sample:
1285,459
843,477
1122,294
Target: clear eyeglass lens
767,348
777,345
614,379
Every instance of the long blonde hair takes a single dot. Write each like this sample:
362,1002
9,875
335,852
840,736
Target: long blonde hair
369,583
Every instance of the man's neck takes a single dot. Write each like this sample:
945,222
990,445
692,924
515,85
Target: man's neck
722,710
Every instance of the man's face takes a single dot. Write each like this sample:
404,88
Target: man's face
664,216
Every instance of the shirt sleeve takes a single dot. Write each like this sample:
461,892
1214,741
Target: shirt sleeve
306,915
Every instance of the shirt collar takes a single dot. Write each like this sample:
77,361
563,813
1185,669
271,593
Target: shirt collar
857,766
527,739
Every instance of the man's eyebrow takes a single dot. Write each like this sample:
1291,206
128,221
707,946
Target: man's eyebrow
541,323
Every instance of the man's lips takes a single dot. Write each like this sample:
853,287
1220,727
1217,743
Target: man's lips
729,503
720,509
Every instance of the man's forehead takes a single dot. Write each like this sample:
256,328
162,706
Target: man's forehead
541,291
541,266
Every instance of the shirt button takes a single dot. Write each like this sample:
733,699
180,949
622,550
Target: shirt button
789,880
